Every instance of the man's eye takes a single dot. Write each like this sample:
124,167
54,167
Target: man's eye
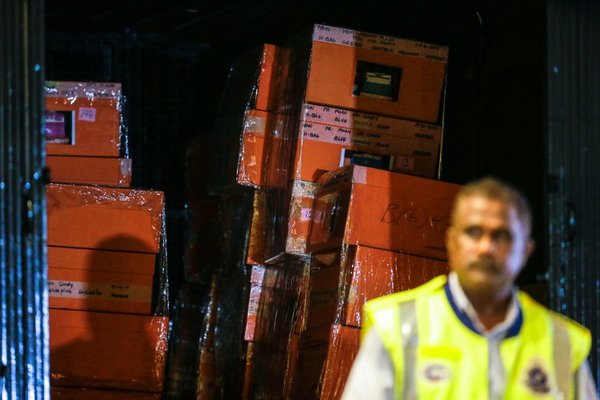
502,236
473,232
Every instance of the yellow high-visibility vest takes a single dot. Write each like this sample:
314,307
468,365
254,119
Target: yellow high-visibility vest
437,356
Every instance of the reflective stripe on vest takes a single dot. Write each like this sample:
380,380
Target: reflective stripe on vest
562,358
410,341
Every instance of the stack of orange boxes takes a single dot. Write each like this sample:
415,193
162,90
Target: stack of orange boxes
106,267
83,134
370,99
389,230
376,101
347,98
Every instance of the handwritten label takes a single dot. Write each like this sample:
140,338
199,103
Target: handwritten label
87,114
89,290
394,127
414,217
382,43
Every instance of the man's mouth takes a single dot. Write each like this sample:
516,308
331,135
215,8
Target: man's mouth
485,264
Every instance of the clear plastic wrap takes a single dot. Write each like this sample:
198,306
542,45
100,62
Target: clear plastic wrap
273,356
84,119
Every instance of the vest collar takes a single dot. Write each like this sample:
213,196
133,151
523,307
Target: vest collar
460,303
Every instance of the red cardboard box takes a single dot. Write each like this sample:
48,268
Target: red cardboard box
381,209
107,350
370,273
105,218
376,74
83,118
106,171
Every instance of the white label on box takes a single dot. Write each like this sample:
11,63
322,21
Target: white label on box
89,290
87,114
372,41
371,123
306,214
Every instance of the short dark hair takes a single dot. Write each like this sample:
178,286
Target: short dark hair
495,189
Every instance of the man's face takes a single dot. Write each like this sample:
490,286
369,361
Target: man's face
487,245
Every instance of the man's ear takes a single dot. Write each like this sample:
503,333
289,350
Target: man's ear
529,248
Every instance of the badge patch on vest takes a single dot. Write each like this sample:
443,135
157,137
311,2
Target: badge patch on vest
537,380
436,373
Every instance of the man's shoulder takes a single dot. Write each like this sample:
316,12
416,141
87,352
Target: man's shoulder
538,310
395,299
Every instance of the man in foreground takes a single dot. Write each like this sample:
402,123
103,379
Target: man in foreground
473,335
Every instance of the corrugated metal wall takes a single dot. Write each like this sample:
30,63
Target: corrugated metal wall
573,149
23,299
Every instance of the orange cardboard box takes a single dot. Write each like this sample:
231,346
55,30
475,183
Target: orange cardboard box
76,393
83,118
267,84
107,350
257,125
96,217
381,209
343,347
370,273
300,215
325,148
107,171
376,73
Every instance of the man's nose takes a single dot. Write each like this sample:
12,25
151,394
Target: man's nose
486,244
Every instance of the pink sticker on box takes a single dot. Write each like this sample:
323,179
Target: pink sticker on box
87,114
